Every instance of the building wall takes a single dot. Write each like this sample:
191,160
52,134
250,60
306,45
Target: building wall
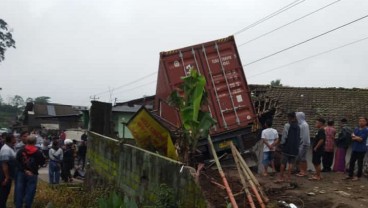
139,173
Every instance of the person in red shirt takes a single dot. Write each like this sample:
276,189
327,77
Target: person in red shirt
328,153
62,135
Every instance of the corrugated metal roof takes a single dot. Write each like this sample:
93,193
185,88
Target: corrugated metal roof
129,109
52,110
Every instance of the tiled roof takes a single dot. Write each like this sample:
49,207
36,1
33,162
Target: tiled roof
329,103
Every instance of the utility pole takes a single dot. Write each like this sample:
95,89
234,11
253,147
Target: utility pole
94,98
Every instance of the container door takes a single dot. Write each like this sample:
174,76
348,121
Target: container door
229,90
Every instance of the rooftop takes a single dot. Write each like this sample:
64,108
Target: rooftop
329,103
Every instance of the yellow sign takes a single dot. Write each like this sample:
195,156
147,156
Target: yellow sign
151,135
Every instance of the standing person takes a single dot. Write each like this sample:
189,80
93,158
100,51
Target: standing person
2,139
328,154
62,137
23,141
39,139
29,160
82,152
342,143
18,146
359,148
318,148
56,157
68,161
269,137
304,144
290,141
7,168
45,147
84,136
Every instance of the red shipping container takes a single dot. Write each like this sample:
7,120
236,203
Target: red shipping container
229,100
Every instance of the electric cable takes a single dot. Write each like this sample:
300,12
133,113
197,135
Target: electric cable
125,85
283,9
305,41
289,23
309,57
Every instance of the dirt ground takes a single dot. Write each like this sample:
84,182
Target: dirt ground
330,192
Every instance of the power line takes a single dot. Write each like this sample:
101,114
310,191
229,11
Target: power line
300,18
127,84
139,86
305,41
283,9
309,57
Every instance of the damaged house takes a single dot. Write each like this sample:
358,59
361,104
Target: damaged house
329,103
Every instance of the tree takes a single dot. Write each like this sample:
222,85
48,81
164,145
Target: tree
42,100
29,100
17,101
196,123
276,83
6,39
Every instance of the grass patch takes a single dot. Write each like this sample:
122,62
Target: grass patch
61,196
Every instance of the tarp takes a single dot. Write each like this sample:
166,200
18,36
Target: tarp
74,134
150,134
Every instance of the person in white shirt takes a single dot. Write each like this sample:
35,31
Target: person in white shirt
7,168
56,157
270,139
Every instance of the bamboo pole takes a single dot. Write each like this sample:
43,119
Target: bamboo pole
242,179
222,174
253,178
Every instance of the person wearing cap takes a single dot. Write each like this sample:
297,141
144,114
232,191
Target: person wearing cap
68,161
318,148
29,160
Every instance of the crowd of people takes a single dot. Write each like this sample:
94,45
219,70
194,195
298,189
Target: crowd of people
21,157
329,147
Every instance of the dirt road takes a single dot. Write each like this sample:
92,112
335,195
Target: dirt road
330,192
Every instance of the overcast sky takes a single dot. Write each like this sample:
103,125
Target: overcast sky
72,49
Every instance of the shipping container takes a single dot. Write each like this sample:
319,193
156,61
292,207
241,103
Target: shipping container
229,99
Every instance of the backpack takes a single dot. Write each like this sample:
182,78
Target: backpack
345,138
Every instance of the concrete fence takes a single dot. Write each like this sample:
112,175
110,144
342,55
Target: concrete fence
139,173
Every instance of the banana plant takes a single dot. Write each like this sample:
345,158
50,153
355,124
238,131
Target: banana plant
196,122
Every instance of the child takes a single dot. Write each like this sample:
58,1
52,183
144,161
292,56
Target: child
269,137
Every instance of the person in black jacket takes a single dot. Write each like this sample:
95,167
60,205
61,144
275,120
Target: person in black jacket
318,148
82,152
290,141
29,159
67,162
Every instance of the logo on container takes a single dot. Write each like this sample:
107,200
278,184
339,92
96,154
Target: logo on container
176,64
